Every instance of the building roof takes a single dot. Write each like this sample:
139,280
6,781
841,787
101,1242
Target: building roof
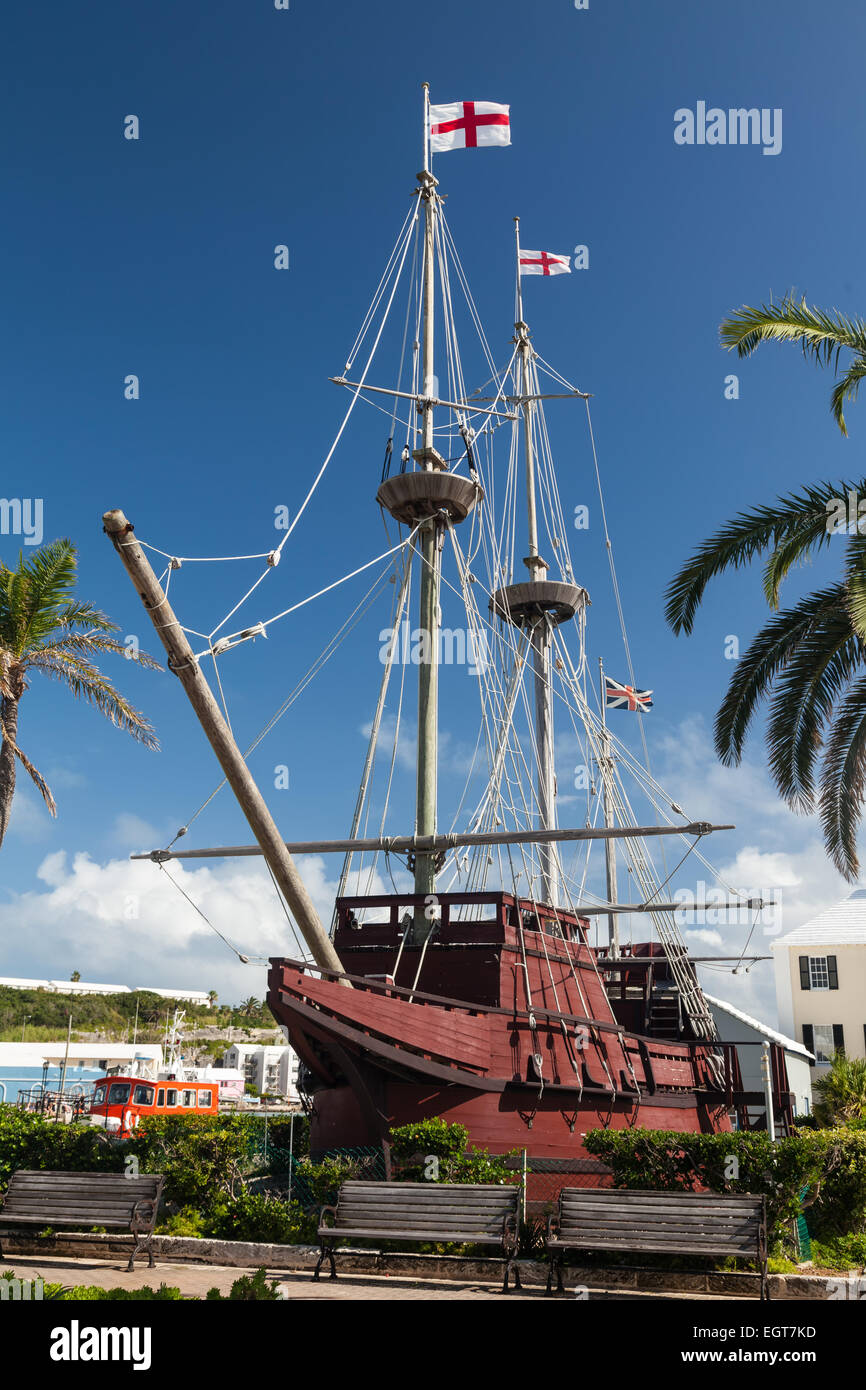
844,924
769,1033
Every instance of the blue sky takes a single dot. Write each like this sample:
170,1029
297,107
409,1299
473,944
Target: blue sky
155,257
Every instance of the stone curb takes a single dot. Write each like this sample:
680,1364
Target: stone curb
250,1255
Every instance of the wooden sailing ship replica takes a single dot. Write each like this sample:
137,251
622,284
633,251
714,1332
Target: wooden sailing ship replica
475,991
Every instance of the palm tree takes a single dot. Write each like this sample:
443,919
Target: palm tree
45,629
842,1091
808,661
250,1006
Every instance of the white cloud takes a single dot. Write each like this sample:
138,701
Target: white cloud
125,922
709,938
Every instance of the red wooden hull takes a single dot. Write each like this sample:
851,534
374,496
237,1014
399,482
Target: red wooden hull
518,1042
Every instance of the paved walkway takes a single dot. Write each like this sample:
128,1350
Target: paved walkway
194,1280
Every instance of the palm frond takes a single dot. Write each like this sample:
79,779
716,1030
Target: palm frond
818,669
843,780
35,774
35,591
846,389
87,683
84,644
759,666
797,525
823,335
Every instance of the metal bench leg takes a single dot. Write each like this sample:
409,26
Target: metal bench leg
325,1252
511,1266
560,1286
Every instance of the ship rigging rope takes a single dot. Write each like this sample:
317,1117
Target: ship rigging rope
324,656
241,955
319,592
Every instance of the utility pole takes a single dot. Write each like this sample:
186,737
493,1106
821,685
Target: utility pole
181,660
65,1064
541,631
606,770
767,1076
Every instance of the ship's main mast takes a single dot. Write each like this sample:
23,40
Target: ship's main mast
428,498
430,551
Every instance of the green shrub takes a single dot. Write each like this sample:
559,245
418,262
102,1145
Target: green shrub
92,1293
29,1141
840,1252
250,1287
412,1146
435,1136
202,1156
186,1222
829,1164
252,1216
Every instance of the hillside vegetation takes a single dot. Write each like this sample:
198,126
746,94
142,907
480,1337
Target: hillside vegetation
113,1015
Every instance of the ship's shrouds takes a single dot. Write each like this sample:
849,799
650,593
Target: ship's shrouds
463,125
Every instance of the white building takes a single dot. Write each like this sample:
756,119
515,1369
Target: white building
821,981
737,1027
63,986
28,1064
271,1069
188,996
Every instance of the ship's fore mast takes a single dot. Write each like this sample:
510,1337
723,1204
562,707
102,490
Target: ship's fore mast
538,606
429,496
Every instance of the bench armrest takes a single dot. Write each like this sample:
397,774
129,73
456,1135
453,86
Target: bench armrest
552,1226
510,1235
325,1211
144,1215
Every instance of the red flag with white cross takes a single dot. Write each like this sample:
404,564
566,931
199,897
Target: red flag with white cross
465,125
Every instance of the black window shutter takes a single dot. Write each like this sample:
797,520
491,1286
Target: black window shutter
832,972
838,1037
804,972
809,1037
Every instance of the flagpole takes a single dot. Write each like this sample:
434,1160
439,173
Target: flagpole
606,770
428,157
519,283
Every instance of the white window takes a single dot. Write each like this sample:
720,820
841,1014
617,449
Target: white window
819,975
825,1048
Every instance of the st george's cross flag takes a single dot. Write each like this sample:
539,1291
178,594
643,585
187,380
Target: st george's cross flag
463,125
618,696
544,263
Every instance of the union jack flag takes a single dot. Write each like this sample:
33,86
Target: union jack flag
618,696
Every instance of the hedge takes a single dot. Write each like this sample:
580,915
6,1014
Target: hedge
830,1164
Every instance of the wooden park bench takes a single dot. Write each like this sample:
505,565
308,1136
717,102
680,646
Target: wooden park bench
112,1200
674,1223
464,1213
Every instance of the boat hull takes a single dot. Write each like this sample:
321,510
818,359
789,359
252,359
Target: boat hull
374,1058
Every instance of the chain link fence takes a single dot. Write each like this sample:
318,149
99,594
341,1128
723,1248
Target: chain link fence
285,1173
